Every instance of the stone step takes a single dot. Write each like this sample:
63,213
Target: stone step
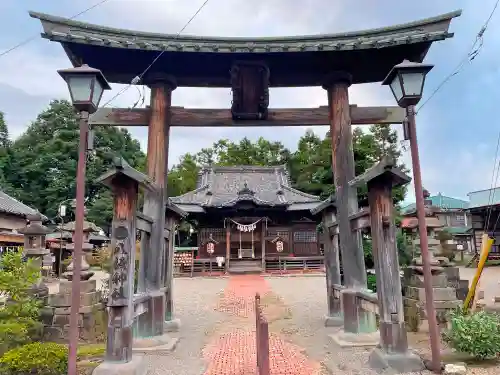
241,269
244,263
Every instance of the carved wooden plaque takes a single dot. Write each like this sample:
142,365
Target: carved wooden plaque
250,86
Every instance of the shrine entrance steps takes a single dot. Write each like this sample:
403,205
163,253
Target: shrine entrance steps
245,266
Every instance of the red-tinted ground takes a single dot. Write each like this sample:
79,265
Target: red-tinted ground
233,352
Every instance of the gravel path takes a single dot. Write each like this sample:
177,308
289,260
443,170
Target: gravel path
194,304
306,299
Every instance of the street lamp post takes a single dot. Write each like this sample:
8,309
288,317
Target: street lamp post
406,81
86,86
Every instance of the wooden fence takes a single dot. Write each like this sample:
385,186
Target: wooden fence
262,339
285,263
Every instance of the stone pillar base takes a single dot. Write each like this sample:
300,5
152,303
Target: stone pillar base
172,325
155,345
137,366
334,321
397,362
353,340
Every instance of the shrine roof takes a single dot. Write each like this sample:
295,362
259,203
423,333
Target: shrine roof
220,187
200,61
12,206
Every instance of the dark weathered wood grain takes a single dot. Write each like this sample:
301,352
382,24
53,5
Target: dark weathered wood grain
121,296
155,203
170,223
346,197
332,264
199,117
383,231
360,220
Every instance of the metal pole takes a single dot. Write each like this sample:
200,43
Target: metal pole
424,246
77,253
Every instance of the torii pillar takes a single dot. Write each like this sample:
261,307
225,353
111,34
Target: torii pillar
337,86
155,204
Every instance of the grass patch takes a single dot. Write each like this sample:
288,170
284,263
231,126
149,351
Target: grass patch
87,351
89,357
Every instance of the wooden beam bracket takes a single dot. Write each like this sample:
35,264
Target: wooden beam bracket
122,168
385,169
220,117
360,220
144,222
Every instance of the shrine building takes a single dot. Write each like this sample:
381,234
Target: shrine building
251,216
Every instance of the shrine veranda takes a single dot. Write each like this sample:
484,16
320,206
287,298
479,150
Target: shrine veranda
249,213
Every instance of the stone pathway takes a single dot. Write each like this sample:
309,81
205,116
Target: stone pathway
233,352
217,336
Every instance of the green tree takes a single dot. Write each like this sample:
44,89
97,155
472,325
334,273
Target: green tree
183,176
5,142
246,152
44,161
311,164
5,155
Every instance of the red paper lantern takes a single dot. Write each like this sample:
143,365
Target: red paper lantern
210,248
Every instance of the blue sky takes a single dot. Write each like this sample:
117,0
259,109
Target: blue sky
457,129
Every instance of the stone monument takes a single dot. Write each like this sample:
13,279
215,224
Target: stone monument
445,296
92,314
88,228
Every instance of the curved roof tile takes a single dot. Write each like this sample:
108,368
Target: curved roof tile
220,187
64,29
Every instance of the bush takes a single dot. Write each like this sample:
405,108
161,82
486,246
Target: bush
35,359
476,334
371,281
19,316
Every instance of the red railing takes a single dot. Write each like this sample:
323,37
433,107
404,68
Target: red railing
262,339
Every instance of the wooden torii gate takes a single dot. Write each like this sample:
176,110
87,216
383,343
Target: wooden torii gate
249,66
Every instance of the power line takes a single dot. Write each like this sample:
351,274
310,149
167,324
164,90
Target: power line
30,39
137,79
474,51
186,25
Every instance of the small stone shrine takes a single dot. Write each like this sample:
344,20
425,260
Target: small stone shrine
34,248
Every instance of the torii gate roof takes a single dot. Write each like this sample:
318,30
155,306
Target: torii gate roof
198,61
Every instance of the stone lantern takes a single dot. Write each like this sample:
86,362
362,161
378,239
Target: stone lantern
34,248
87,247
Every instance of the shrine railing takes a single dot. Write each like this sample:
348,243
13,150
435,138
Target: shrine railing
285,263
261,339
188,266
367,305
